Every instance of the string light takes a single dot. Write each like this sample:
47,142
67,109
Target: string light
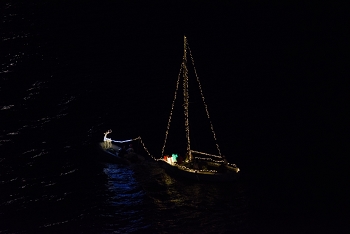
182,167
186,98
171,111
184,72
209,159
212,155
144,147
127,140
205,105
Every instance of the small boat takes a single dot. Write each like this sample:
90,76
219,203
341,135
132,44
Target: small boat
111,152
197,165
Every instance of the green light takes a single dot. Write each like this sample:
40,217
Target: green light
174,156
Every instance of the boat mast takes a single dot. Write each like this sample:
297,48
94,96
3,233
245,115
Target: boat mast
186,97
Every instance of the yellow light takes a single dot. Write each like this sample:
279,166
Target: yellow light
205,105
171,111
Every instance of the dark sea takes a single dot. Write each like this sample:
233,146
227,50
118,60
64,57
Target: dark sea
275,79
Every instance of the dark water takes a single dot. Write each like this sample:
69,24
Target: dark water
70,70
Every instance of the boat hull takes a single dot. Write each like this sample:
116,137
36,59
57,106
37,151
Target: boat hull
198,175
110,154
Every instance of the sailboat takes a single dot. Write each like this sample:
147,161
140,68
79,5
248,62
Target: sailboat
196,165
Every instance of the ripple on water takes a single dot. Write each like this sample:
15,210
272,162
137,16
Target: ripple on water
7,107
2,142
35,153
127,199
69,172
177,206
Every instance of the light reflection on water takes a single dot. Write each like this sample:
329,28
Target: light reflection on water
7,107
146,197
177,206
127,197
13,60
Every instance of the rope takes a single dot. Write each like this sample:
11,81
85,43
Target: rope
144,147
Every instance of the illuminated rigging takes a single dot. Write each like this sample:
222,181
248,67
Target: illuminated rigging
184,73
218,159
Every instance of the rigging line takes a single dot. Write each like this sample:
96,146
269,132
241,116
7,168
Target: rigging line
172,108
210,159
212,155
205,105
144,147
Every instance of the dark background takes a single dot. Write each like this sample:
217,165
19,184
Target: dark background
274,77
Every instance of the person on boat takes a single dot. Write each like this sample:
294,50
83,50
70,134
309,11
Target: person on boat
107,141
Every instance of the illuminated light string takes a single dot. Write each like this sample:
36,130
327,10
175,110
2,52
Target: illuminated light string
186,98
217,161
205,105
126,140
181,166
149,154
209,159
171,111
184,71
134,139
212,155
194,170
